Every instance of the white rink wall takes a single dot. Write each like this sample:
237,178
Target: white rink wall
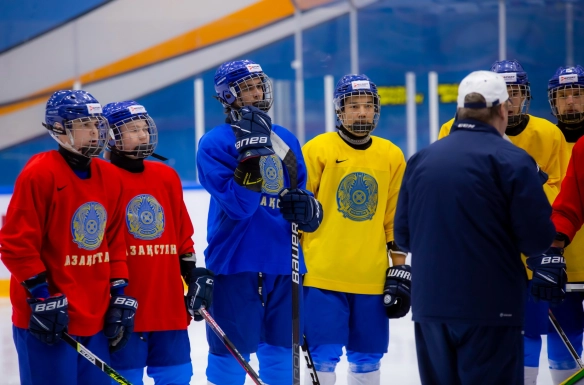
196,200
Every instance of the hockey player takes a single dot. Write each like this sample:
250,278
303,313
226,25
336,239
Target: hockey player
61,245
249,238
357,177
160,250
566,98
535,135
468,205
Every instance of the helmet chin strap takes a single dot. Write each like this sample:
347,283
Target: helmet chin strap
571,118
514,120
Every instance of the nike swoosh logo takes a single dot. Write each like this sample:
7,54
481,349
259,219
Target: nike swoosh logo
341,161
61,188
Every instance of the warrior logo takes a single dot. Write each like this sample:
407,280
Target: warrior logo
145,217
88,225
357,196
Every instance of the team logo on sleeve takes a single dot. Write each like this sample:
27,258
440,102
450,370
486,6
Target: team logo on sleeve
145,217
88,225
273,174
357,196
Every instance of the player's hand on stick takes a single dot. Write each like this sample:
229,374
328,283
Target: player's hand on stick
252,133
397,291
549,276
119,321
297,205
200,291
49,318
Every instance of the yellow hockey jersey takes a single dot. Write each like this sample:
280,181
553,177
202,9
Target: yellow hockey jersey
545,143
358,190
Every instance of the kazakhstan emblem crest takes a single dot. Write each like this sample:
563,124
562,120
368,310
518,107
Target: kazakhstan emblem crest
273,174
145,217
357,196
88,225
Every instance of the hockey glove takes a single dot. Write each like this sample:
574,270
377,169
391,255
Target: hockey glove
119,321
299,206
549,276
49,318
397,291
200,292
252,133
248,174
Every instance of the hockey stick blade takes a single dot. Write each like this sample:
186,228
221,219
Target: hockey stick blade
95,360
229,345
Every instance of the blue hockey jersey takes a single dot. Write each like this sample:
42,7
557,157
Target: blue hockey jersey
468,206
245,230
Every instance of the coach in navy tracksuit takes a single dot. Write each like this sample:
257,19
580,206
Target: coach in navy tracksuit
468,206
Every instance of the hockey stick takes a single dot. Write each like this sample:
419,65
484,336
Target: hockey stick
229,345
95,360
565,339
580,374
309,363
289,159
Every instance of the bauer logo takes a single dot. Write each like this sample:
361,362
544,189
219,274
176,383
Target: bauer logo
93,108
360,85
573,78
510,77
253,67
88,225
137,110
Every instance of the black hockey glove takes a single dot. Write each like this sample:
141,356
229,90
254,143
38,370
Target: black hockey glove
248,174
49,318
299,206
200,292
397,291
549,276
252,133
119,321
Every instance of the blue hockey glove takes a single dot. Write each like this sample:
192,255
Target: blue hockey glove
119,321
397,291
252,133
200,292
49,318
299,206
549,276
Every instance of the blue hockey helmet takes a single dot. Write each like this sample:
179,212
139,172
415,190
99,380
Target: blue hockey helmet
518,88
353,86
234,76
566,94
130,118
70,110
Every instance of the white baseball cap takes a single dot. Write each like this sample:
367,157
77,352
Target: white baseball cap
490,85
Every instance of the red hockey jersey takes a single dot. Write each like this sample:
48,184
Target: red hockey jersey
68,227
158,230
568,208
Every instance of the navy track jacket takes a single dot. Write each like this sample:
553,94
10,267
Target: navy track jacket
468,206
